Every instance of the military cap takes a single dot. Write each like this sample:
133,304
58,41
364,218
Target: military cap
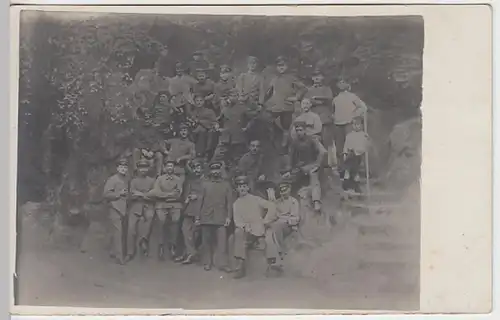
167,161
142,163
196,163
215,165
122,162
343,85
252,59
281,60
241,180
225,68
317,72
183,125
300,124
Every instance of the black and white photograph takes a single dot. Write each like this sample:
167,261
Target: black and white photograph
197,162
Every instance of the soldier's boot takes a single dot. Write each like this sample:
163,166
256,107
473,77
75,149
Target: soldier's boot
272,266
161,253
240,271
143,244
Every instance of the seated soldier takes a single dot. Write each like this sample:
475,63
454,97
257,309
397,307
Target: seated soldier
287,212
252,215
205,125
306,156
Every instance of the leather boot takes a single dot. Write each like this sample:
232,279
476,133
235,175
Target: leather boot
161,253
240,271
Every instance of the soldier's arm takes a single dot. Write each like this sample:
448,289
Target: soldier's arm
270,210
229,201
110,193
262,90
317,125
294,218
238,222
239,84
360,105
321,152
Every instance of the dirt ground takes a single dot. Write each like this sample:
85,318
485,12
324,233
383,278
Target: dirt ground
50,276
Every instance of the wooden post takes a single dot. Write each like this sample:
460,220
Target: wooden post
367,164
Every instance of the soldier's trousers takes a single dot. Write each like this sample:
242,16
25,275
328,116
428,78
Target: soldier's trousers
275,237
115,231
314,182
169,219
341,131
155,163
243,240
139,228
214,240
189,232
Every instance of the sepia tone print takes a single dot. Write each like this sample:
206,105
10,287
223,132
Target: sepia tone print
219,162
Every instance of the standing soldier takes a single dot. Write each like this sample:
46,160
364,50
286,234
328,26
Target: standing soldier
116,192
225,85
232,140
141,211
321,97
252,216
167,190
250,85
347,106
193,193
216,213
285,90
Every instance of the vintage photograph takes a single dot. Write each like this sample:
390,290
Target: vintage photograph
219,161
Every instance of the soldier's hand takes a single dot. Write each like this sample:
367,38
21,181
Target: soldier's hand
262,177
193,197
197,222
286,175
228,222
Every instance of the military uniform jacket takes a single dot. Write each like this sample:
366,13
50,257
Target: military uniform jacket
216,203
170,186
112,189
143,185
194,186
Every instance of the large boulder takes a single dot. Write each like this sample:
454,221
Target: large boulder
405,142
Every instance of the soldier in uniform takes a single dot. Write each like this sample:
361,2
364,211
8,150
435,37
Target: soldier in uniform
285,90
167,191
306,157
252,165
250,85
141,211
181,150
192,199
287,213
116,193
215,215
252,216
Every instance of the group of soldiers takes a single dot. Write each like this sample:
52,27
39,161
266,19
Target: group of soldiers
218,158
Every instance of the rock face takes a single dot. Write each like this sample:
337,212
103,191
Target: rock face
405,157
